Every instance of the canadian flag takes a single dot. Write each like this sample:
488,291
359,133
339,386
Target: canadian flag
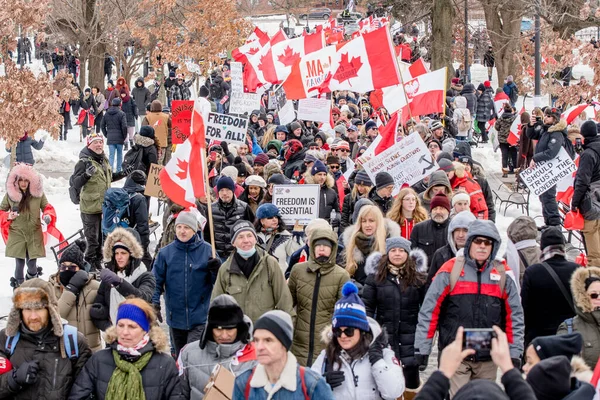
254,75
566,187
499,101
254,43
571,113
182,179
258,35
309,73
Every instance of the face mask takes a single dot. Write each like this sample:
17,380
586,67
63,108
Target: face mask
246,253
65,277
322,259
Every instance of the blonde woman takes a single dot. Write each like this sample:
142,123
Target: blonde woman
407,211
366,235
268,136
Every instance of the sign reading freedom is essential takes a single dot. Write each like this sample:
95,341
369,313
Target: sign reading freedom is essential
408,161
545,174
226,128
181,120
153,187
297,203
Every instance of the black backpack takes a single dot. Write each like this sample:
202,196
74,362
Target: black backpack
216,90
514,94
133,159
74,194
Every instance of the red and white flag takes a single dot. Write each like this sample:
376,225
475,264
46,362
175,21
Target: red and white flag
260,64
258,35
573,112
388,134
418,68
499,101
182,179
309,73
256,41
426,94
566,187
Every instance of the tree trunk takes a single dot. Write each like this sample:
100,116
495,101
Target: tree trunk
82,71
442,15
96,66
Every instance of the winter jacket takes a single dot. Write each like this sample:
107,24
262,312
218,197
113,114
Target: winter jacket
23,153
131,111
88,104
114,126
293,166
523,250
511,90
347,211
543,313
396,306
479,177
468,93
138,211
161,123
503,125
485,106
588,174
429,236
141,96
76,309
467,183
550,139
382,380
224,217
182,274
283,246
159,377
263,291
301,255
149,152
587,320
182,92
467,304
488,59
315,289
384,205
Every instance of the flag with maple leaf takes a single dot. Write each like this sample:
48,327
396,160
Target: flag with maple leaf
259,68
256,41
499,100
308,74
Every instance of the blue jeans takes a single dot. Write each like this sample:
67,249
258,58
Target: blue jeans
111,155
220,107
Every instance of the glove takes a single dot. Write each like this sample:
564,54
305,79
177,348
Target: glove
157,311
129,169
213,264
376,348
47,219
25,374
422,360
77,282
109,277
334,378
516,362
90,170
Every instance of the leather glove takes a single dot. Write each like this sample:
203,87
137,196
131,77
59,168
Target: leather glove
376,348
334,378
109,277
158,312
77,282
90,170
516,362
422,360
47,219
25,374
213,264
129,169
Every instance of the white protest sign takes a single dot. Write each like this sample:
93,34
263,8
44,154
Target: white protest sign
193,68
408,161
237,80
241,103
546,174
350,166
226,128
287,113
314,109
297,203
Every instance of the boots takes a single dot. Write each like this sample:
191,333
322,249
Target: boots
36,275
14,283
410,394
505,172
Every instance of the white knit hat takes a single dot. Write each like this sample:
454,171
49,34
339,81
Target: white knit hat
461,196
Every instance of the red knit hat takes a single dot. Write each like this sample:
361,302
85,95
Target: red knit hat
440,200
487,84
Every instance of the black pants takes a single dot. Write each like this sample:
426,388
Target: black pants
180,337
20,266
411,377
508,152
484,134
92,230
550,207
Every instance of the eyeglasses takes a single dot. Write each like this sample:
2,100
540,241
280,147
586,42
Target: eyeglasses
349,332
334,167
594,296
344,150
485,242
72,267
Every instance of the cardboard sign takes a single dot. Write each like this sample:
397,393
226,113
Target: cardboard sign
226,128
407,161
287,113
241,103
546,174
297,203
181,120
153,187
237,80
314,109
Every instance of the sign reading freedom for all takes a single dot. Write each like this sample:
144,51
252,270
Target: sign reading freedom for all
408,161
297,203
546,174
181,120
226,128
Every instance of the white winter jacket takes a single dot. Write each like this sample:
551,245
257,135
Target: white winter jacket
363,381
283,246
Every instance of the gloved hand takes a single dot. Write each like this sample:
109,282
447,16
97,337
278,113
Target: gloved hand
25,374
109,277
213,264
90,170
47,219
77,282
376,348
129,169
422,360
334,378
157,311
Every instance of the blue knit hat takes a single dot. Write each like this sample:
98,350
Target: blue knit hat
225,182
267,210
318,167
134,313
350,311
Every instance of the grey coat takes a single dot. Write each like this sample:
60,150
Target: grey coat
141,96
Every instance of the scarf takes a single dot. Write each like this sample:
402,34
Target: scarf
364,243
551,251
126,380
394,270
135,350
115,297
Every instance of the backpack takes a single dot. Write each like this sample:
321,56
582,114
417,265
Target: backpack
302,382
459,264
133,159
464,123
115,210
569,323
215,89
514,94
69,340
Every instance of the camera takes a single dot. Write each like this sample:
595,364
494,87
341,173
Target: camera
479,340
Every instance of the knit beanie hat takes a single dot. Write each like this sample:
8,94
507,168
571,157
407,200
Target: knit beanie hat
340,129
242,170
241,226
323,242
115,102
318,167
362,178
350,310
370,125
279,323
551,236
446,165
461,196
550,379
281,128
187,218
74,253
225,182
558,345
332,160
278,179
383,179
204,91
397,243
440,200
481,389
135,314
589,129
92,138
230,171
147,131
261,159
267,210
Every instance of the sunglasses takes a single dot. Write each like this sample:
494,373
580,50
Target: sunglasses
486,242
349,332
72,267
344,150
594,296
334,167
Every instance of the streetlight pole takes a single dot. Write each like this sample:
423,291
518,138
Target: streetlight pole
537,56
467,43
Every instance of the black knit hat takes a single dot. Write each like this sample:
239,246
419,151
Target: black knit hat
558,345
589,129
147,131
74,253
481,389
138,177
550,379
551,236
383,179
204,91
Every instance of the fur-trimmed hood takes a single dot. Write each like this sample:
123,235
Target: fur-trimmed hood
158,337
127,238
36,184
309,179
417,255
559,127
580,370
582,300
392,229
327,332
143,140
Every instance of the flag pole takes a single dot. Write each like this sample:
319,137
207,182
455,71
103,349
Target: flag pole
403,89
444,97
209,202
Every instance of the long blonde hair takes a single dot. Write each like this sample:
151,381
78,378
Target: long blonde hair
355,195
395,213
379,236
268,136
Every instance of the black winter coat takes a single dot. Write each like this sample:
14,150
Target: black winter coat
114,126
429,236
141,96
588,171
224,218
130,110
149,152
440,257
550,139
23,150
397,309
56,374
138,211
347,211
468,93
384,204
485,106
329,201
544,313
293,164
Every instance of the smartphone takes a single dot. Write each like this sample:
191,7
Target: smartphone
479,340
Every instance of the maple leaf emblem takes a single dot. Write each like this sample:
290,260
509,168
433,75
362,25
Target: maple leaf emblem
288,58
183,166
253,51
347,68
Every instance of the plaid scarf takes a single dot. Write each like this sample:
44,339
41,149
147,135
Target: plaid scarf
551,251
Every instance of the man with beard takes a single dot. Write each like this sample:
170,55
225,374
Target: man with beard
432,234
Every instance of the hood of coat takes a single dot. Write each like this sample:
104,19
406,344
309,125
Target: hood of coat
468,88
139,80
323,233
508,116
157,335
580,370
438,178
461,220
486,229
392,229
126,237
559,127
309,179
327,332
143,140
582,300
226,306
36,184
418,256
131,187
522,228
460,102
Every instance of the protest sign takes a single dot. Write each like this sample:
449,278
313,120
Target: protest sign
314,109
272,104
241,103
280,98
181,120
408,161
153,188
226,128
546,174
237,81
287,113
350,166
297,203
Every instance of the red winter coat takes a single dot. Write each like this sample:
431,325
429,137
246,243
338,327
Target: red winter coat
478,204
